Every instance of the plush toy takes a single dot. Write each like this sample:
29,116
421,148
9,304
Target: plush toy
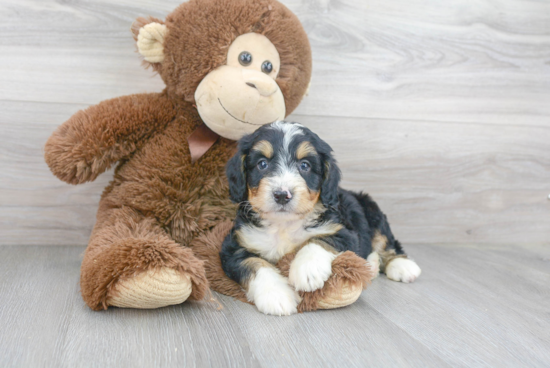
229,66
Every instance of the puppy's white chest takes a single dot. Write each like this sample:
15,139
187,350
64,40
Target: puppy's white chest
275,240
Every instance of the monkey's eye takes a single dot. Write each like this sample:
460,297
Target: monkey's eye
267,67
262,164
245,58
305,166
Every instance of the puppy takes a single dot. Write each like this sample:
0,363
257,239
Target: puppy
285,180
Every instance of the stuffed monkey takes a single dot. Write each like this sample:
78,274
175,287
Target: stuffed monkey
229,66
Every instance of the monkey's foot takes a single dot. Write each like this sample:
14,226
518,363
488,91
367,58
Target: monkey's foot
347,294
153,288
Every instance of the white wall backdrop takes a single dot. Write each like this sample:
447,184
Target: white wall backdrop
439,109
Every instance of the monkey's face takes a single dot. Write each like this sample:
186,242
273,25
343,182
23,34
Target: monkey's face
243,63
240,96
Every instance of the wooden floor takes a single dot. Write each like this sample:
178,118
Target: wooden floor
439,109
472,307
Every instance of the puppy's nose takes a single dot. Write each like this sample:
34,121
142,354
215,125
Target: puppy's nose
282,196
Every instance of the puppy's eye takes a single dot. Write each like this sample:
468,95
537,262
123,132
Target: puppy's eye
262,164
267,67
245,58
305,166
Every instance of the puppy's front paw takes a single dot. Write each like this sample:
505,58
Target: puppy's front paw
311,268
403,269
272,294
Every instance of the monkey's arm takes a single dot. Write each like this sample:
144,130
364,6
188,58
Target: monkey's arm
95,138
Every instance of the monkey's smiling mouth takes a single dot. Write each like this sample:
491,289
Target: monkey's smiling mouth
242,121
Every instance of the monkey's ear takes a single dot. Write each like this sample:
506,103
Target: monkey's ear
149,34
236,178
308,88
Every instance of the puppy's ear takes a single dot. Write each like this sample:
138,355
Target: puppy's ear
331,180
235,170
236,177
331,172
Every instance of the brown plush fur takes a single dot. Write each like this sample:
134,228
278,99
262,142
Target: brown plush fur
159,201
207,248
124,243
348,268
94,139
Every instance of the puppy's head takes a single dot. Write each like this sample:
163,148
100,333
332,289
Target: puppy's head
283,168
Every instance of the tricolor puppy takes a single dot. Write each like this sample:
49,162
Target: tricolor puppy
286,182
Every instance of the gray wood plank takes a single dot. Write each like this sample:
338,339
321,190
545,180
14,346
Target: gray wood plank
466,317
438,110
444,183
472,306
36,207
356,336
437,183
444,180
37,288
411,60
475,306
450,107
417,60
44,322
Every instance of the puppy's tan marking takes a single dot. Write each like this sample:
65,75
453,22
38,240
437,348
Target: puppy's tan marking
252,192
313,196
307,199
243,157
319,241
265,148
379,243
326,246
305,149
259,196
331,228
254,264
327,170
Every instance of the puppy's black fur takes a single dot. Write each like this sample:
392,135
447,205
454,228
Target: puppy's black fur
362,223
